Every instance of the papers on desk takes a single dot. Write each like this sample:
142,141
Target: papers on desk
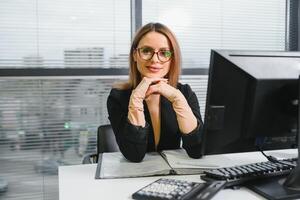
114,165
181,163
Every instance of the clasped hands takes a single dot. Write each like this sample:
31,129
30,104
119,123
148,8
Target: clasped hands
149,86
187,121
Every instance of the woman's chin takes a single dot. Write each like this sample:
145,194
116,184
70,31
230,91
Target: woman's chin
152,75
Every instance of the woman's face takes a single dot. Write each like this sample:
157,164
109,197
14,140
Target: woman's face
158,65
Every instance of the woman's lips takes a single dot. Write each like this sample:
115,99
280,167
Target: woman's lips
153,68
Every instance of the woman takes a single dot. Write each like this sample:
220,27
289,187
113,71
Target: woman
152,111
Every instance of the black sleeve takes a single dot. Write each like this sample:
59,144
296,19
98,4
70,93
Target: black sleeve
192,142
132,140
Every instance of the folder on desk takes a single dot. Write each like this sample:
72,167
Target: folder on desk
167,162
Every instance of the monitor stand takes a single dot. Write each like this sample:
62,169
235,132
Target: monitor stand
282,187
273,188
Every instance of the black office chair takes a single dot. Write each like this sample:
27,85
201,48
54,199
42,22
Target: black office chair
106,142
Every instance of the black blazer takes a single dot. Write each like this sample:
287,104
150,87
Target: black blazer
135,141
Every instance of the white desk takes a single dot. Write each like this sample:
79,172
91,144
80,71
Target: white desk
77,182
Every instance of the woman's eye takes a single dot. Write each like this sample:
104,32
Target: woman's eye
147,51
167,54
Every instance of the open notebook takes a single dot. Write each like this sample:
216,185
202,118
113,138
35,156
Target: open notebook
114,165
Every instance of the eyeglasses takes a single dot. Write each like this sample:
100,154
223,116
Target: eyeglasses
146,53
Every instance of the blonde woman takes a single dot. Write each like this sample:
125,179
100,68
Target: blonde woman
153,111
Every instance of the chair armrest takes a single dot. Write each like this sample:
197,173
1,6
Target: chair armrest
89,158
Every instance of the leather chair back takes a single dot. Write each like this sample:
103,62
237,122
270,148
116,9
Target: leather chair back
106,140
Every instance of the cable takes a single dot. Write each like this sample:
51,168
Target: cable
275,160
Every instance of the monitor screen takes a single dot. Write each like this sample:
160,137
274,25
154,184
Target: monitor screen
252,101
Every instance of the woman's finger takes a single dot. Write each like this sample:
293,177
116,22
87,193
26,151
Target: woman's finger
153,89
155,80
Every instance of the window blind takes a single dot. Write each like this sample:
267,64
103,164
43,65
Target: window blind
48,122
64,34
220,24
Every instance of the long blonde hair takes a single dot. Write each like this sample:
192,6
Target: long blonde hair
175,69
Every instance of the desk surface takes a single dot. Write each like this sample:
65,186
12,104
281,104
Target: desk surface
77,182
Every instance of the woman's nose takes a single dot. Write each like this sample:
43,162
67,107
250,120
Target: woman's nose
155,57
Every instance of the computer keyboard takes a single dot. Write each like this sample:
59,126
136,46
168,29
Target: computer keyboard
171,189
239,175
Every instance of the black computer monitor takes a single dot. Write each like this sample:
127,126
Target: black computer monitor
252,104
252,101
